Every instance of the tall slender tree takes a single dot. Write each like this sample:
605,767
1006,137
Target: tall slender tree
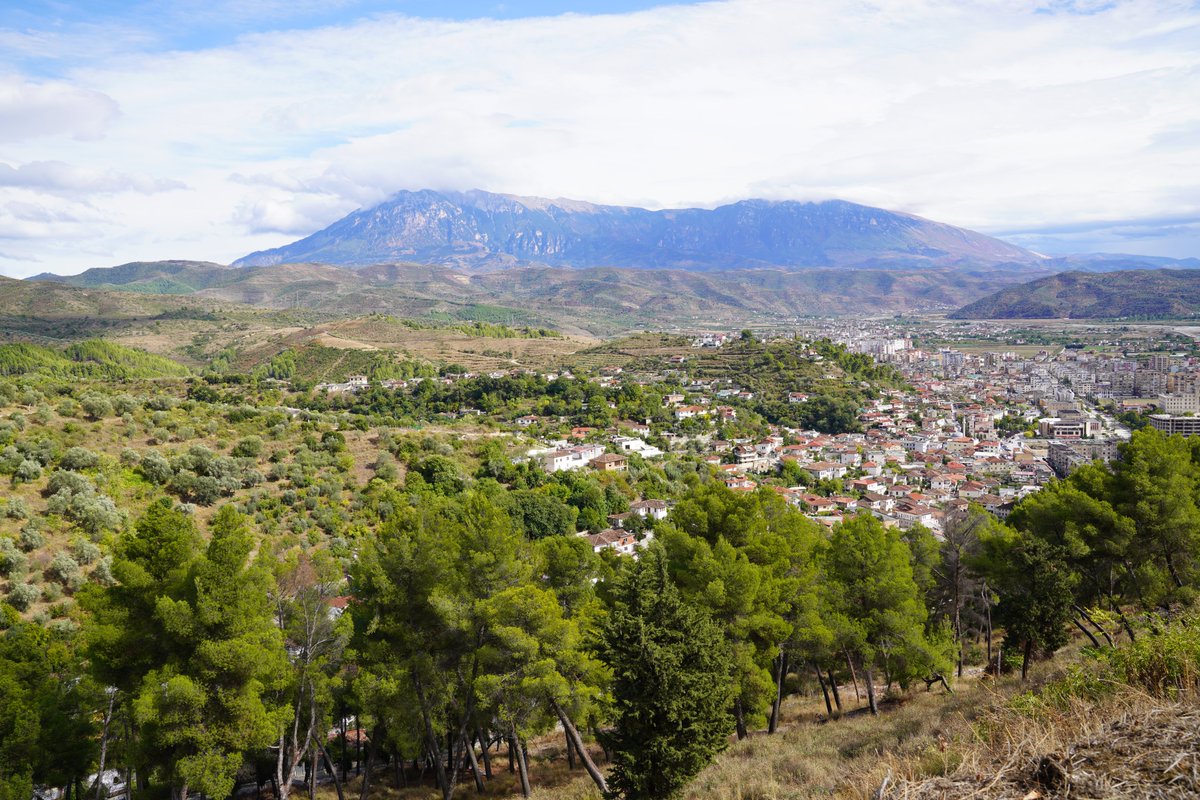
671,690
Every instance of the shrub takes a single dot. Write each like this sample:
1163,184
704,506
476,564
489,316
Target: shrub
124,404
85,551
31,538
12,561
102,574
79,458
250,447
16,508
96,405
28,470
65,569
156,469
22,596
67,481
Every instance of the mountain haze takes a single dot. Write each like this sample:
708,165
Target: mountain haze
483,231
595,300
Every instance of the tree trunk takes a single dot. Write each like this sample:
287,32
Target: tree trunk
870,679
1025,660
112,697
469,747
398,766
1121,616
837,696
739,718
514,746
825,692
853,675
958,637
577,741
432,743
1174,573
371,746
987,604
1099,628
483,746
337,784
1079,624
312,774
780,673
291,754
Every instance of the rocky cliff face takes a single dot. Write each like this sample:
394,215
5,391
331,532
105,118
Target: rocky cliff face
480,230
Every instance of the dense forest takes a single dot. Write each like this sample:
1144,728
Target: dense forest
203,579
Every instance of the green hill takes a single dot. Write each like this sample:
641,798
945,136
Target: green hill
94,358
1139,293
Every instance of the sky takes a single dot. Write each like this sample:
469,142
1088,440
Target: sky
207,129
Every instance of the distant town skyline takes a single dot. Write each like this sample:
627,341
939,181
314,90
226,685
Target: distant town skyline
207,130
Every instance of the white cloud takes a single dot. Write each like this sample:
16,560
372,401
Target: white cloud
30,109
56,177
989,114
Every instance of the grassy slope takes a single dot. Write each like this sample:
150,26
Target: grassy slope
987,739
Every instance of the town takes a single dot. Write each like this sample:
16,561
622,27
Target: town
985,425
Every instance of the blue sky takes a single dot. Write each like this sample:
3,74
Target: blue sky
197,25
210,128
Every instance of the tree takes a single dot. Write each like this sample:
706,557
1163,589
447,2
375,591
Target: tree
188,638
424,585
1094,539
1035,587
959,592
748,560
208,703
540,514
304,585
47,734
1156,486
441,473
671,692
96,405
877,605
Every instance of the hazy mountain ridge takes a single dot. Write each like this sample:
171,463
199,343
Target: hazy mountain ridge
484,231
1083,295
595,300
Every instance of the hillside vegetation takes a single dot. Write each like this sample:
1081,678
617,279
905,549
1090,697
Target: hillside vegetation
94,358
208,579
1129,294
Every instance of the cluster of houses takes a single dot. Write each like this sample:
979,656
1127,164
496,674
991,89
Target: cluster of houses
985,428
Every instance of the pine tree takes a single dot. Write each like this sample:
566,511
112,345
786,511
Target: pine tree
878,609
671,688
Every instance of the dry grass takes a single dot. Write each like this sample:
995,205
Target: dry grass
1132,746
815,757
982,741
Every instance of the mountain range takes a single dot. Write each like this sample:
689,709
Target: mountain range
597,300
480,231
597,269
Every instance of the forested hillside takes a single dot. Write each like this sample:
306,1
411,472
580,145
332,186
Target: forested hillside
221,581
